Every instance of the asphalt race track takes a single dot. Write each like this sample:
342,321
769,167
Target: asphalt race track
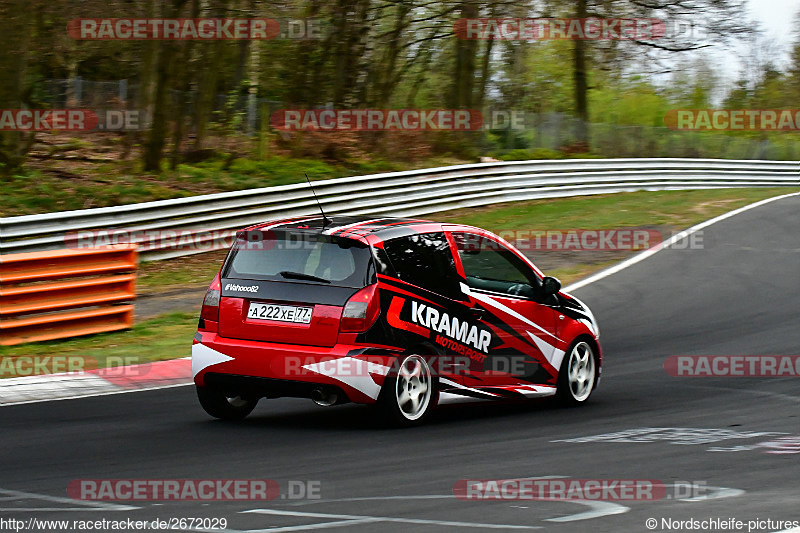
735,440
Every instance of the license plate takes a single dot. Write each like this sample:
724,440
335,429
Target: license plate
281,313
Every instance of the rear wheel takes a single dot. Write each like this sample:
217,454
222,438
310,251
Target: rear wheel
222,406
578,374
407,398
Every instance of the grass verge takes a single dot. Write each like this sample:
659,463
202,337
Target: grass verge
676,209
192,271
663,210
45,190
165,337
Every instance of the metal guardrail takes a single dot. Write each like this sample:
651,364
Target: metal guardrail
63,293
409,193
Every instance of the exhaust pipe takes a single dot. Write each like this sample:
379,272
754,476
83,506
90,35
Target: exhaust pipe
324,398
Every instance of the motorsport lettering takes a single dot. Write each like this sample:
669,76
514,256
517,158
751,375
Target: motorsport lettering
456,330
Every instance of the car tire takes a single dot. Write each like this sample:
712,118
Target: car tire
224,407
408,396
577,376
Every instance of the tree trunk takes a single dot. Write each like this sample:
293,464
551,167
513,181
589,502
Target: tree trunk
581,84
15,29
154,147
464,75
350,26
389,74
183,73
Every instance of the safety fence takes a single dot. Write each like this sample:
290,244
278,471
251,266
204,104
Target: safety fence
65,293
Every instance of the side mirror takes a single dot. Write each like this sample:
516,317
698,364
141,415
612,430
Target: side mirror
550,285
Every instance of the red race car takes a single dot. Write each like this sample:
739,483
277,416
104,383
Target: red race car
399,312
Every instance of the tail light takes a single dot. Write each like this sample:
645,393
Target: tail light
361,310
210,309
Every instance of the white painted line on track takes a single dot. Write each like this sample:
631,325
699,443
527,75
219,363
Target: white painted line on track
411,497
419,521
87,505
672,240
319,525
597,509
711,493
18,391
53,386
94,395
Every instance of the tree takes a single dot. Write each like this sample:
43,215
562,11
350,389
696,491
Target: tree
793,83
709,22
154,146
15,29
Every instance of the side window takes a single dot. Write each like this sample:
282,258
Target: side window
492,267
425,260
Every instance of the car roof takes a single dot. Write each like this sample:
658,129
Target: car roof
342,225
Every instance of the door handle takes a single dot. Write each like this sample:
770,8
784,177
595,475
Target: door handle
477,313
561,317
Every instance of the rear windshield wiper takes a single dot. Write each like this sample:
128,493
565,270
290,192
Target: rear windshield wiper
299,275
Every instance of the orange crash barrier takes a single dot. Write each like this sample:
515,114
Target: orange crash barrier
66,293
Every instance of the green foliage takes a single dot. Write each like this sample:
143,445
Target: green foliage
525,155
35,191
548,80
370,54
642,104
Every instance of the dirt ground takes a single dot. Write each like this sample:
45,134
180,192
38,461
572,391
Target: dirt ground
183,300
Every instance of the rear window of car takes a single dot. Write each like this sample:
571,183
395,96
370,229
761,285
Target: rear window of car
299,258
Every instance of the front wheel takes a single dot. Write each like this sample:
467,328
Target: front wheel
578,374
407,398
225,407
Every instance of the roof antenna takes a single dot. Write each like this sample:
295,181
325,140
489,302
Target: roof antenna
325,220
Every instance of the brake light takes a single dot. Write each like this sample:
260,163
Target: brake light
361,310
210,309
